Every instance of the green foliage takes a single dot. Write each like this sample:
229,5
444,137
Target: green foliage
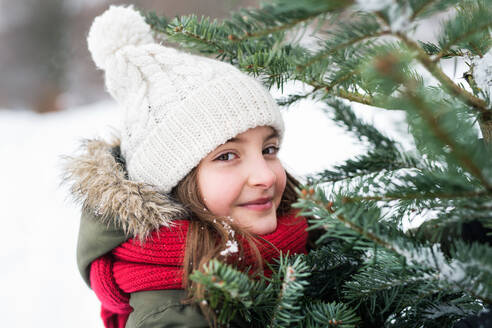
287,311
384,153
229,290
433,49
469,29
329,314
330,265
424,8
278,301
369,269
362,26
388,287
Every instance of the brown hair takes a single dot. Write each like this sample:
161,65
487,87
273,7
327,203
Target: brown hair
207,235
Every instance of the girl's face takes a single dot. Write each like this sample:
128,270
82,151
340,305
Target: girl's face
243,170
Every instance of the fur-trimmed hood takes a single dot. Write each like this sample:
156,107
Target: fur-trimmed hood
98,180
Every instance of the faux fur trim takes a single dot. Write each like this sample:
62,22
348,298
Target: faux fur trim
98,180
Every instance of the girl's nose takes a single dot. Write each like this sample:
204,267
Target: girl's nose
261,174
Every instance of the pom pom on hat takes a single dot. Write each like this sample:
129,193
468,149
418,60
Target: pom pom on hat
116,28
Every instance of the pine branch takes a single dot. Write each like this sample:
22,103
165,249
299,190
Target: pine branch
384,154
417,190
454,310
388,286
468,29
319,315
228,290
287,312
413,94
352,96
433,49
293,98
414,190
317,205
390,290
204,35
349,75
346,35
245,27
363,165
155,22
432,67
331,264
355,96
468,217
425,8
386,289
421,9
272,66
275,29
344,116
365,222
469,270
456,149
446,49
393,196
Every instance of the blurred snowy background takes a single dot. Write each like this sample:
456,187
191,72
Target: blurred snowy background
52,98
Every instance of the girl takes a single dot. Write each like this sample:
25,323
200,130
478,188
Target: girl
193,175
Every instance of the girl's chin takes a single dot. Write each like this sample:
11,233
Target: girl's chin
263,226
267,228
257,222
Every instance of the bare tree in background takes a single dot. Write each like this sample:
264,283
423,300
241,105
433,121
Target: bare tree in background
33,62
44,61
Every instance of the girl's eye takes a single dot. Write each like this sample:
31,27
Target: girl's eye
275,150
225,157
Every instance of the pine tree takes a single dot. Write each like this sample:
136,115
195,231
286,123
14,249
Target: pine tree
367,269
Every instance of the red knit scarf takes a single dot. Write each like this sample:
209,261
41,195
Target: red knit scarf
157,264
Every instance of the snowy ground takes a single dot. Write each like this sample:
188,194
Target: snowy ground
40,282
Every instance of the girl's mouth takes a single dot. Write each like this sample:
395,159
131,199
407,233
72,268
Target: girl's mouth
259,207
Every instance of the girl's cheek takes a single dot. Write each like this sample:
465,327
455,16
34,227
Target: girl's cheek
219,190
281,183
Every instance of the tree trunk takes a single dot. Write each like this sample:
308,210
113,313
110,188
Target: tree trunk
485,123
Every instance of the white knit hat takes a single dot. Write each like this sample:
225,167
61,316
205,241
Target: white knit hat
178,107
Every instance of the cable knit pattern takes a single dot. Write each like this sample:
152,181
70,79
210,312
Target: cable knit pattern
177,106
157,264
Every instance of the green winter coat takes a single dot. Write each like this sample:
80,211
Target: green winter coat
115,209
160,308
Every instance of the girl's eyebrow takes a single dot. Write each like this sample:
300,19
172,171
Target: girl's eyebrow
239,140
